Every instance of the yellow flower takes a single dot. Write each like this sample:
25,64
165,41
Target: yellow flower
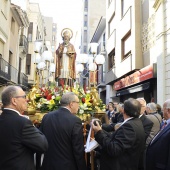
51,102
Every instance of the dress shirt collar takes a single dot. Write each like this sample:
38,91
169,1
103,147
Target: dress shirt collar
168,121
12,110
126,120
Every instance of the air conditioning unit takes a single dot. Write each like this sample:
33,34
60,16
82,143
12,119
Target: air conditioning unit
6,69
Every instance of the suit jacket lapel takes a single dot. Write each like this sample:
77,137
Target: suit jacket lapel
161,133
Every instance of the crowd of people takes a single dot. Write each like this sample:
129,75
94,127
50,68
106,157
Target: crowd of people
133,136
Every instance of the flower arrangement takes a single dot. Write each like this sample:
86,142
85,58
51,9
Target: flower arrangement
47,99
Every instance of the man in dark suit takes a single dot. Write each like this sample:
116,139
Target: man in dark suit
65,136
122,150
147,125
19,138
158,151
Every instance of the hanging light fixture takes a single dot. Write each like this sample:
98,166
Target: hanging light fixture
52,68
93,48
37,46
41,65
47,56
99,59
79,68
36,58
82,58
92,67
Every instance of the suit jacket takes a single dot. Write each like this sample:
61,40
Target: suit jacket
156,119
122,150
19,141
158,151
64,133
147,125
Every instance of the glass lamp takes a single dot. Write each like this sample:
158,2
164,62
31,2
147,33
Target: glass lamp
99,59
37,46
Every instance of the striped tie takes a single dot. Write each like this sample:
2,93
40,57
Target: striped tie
164,125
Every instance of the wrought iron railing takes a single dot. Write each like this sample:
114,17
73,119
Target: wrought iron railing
14,74
5,69
24,43
23,79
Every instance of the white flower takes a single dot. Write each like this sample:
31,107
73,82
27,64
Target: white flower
53,97
81,111
38,105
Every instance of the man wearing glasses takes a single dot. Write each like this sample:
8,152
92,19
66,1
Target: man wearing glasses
64,133
19,138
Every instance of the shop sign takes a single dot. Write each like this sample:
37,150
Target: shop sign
138,76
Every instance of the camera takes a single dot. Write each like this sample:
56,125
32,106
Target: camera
99,122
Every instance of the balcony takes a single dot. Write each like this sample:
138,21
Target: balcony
23,43
23,80
4,71
8,74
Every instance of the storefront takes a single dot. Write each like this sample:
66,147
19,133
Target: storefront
141,83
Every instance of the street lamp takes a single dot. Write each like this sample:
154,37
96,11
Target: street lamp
92,61
43,63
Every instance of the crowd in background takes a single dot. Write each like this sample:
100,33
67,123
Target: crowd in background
134,135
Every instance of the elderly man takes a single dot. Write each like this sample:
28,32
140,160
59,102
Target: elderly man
64,133
156,118
147,125
158,151
122,149
19,138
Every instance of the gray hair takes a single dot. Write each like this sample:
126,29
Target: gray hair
167,103
152,106
8,93
67,98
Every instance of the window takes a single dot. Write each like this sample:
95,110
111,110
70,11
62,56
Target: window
85,21
109,2
85,36
126,45
54,28
111,61
53,37
104,40
12,25
111,25
86,5
30,31
1,48
124,5
4,8
28,64
85,49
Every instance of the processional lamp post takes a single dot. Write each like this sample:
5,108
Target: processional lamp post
93,61
43,61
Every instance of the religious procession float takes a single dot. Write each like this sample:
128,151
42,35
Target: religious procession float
42,100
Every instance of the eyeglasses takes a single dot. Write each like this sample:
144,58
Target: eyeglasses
76,102
24,97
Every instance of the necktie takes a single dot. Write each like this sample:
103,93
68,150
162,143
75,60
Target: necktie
164,125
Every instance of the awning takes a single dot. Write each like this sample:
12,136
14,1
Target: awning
134,89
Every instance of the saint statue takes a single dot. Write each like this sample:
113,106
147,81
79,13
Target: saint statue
65,56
